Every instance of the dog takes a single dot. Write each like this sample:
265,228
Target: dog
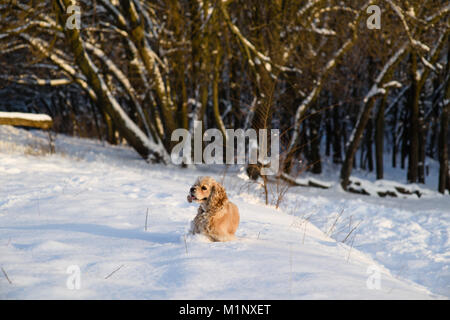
217,217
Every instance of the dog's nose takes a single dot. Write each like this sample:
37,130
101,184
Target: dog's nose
192,189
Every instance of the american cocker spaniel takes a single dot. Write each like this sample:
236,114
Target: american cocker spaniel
217,217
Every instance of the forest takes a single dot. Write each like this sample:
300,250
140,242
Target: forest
348,80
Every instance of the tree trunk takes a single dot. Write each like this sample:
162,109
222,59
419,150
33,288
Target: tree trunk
137,34
363,118
128,129
41,121
413,102
443,150
379,138
315,139
444,176
422,145
215,90
394,137
315,91
354,143
337,137
328,133
404,138
369,142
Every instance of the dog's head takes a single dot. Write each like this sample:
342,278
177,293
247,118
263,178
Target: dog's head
207,191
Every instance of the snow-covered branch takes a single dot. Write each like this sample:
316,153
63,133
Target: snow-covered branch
33,80
303,107
55,56
123,80
250,48
415,43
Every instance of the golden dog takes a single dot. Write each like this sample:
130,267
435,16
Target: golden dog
217,217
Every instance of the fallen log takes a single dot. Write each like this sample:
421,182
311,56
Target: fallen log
33,120
304,182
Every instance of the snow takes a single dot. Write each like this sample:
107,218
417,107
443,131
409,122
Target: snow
373,92
427,64
416,245
323,31
85,206
420,45
393,83
390,62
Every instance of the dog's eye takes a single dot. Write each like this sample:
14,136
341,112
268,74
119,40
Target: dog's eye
204,188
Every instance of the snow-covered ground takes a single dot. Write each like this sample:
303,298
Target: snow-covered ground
85,209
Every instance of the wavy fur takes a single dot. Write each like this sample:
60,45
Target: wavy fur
217,217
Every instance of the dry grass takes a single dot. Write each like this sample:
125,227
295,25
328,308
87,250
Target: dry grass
30,146
6,275
33,149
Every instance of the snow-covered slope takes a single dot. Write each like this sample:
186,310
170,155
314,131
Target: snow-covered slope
86,207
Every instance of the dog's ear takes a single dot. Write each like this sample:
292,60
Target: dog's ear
217,197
